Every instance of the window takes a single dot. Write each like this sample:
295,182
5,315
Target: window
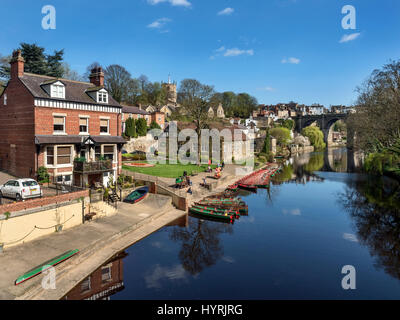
59,124
104,125
106,274
57,91
5,99
102,97
109,152
50,155
85,285
97,153
63,155
29,184
83,125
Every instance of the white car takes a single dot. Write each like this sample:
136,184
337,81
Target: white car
21,189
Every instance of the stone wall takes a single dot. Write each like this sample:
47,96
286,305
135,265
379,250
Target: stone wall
140,144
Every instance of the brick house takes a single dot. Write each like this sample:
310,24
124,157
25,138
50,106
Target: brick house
46,121
138,113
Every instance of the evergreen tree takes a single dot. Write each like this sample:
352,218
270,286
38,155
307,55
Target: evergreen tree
141,127
54,64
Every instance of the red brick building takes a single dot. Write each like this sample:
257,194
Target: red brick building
138,113
50,122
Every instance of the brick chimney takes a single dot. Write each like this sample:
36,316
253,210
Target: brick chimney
17,65
97,77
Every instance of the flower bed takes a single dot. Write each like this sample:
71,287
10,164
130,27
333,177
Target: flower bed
139,165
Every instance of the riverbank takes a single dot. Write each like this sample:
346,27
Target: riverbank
97,241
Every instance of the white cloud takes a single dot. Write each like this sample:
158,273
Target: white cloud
293,212
221,49
237,52
349,37
153,279
350,237
269,89
159,23
226,12
291,60
183,3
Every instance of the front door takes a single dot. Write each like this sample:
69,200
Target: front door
106,178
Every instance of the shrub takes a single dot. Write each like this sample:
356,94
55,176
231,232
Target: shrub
316,137
141,127
43,175
154,125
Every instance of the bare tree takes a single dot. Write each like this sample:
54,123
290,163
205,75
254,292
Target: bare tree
376,121
117,80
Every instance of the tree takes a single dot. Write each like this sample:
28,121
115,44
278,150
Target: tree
282,135
141,127
316,137
156,95
154,125
267,143
89,69
36,61
70,74
377,117
130,128
54,64
195,98
116,80
5,67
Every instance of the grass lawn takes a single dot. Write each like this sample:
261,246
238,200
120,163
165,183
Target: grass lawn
168,170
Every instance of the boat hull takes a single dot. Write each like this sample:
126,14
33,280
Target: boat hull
137,195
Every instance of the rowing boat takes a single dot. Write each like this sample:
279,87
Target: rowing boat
248,187
137,195
44,266
243,209
212,214
230,212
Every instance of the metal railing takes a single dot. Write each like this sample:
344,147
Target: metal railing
92,167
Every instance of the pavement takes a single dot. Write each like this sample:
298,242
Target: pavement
97,241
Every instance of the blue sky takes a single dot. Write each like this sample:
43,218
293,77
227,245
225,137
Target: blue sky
276,50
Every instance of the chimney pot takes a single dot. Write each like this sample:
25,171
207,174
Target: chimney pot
17,64
97,77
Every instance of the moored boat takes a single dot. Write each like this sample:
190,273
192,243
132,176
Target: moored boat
137,195
212,214
44,266
230,212
248,187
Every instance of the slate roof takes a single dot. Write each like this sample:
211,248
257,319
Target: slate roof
134,110
75,91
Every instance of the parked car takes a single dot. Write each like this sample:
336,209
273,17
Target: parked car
21,189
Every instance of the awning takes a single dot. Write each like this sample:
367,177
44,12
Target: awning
73,139
49,139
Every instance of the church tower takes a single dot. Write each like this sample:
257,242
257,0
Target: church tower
171,88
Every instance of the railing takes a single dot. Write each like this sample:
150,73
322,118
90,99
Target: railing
92,167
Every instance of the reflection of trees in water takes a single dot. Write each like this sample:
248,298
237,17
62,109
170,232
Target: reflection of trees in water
315,163
374,205
201,245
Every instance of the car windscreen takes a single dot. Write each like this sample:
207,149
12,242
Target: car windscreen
29,183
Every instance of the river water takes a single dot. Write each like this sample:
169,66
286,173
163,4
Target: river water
317,217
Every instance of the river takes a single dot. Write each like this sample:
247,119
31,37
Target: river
318,216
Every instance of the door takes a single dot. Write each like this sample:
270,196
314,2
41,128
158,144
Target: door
7,188
106,178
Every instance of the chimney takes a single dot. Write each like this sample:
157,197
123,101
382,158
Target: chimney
97,77
17,65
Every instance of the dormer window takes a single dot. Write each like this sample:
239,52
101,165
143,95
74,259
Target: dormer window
102,96
54,88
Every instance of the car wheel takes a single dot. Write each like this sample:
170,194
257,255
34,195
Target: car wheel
18,197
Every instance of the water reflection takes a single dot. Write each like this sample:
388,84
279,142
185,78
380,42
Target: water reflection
200,244
374,206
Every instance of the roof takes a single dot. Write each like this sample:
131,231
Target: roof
76,139
75,91
134,110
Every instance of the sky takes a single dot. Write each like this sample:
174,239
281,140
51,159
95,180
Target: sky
275,50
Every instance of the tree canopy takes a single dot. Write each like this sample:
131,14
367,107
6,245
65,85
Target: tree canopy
316,137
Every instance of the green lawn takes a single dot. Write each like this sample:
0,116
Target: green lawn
168,170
